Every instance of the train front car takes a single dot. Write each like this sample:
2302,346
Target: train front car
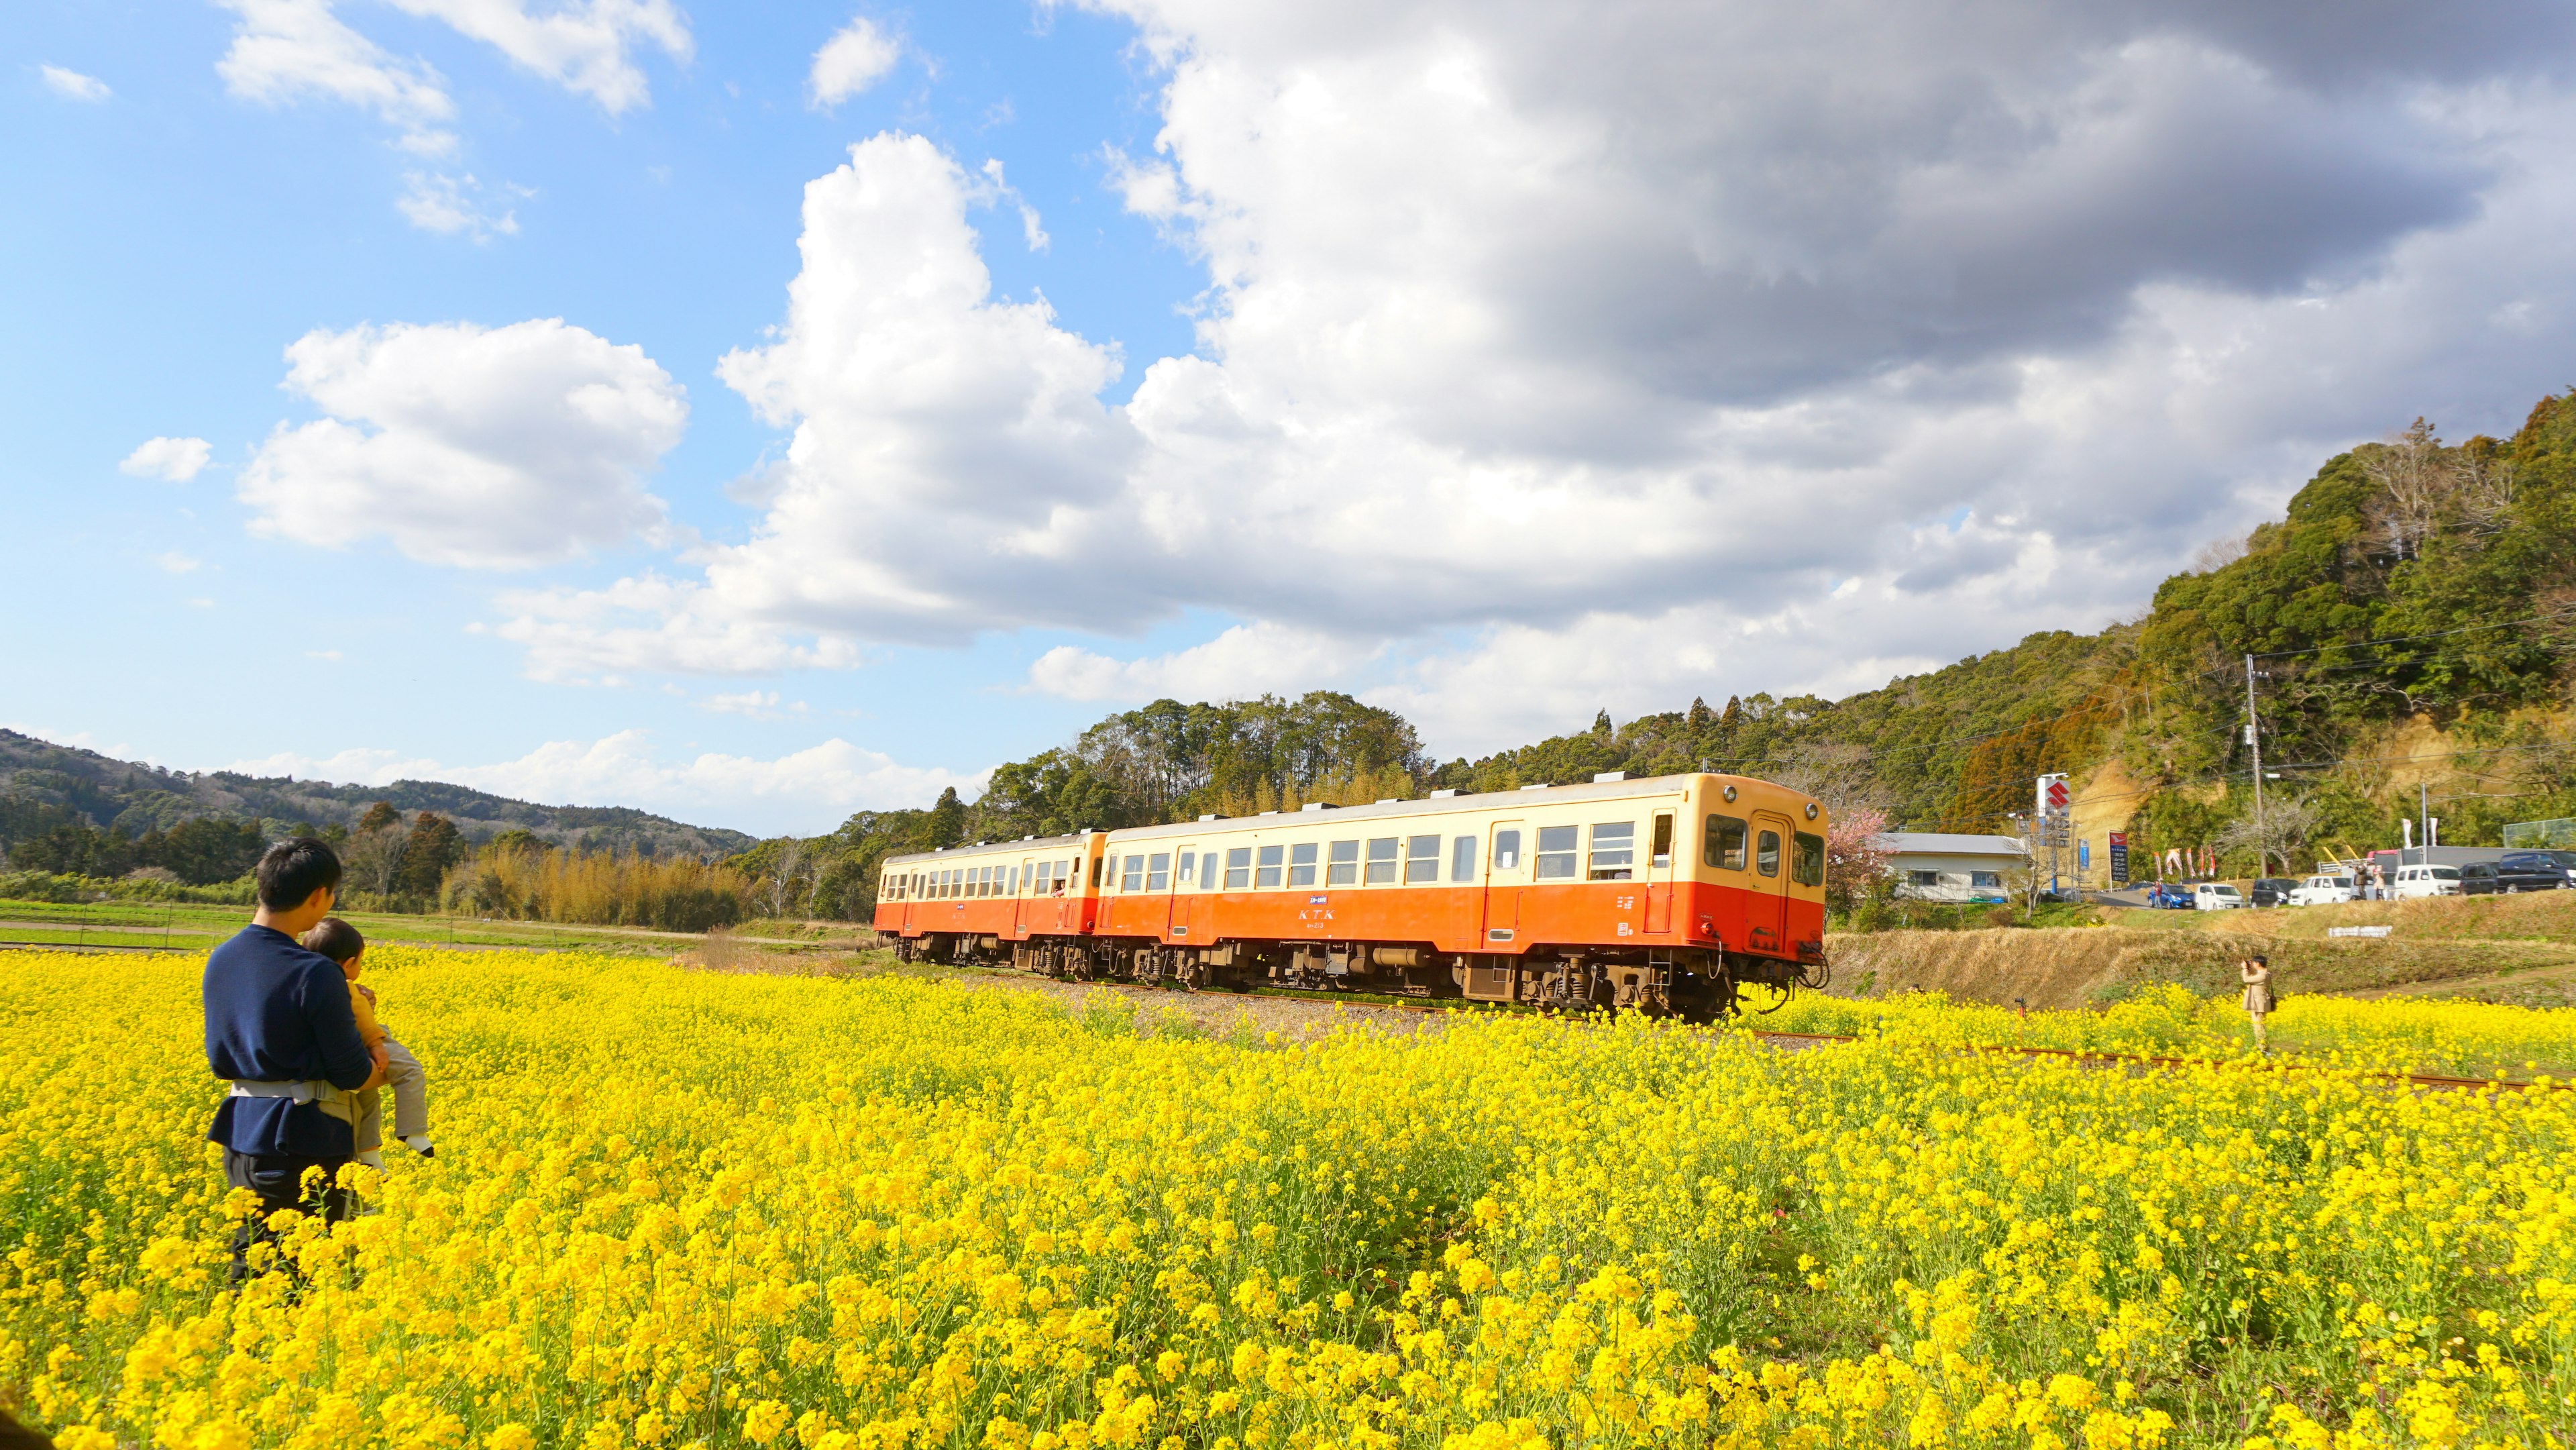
1030,903
1679,894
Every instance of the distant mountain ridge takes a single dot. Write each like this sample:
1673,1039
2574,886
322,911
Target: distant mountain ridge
43,785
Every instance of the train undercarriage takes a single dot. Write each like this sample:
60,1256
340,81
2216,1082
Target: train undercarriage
1694,984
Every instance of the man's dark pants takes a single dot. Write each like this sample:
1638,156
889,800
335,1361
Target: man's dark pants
278,1179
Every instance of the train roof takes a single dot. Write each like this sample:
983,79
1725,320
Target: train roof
1523,798
978,848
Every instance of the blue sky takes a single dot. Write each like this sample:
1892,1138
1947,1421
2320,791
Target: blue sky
1494,362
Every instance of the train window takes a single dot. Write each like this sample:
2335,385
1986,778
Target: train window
1663,840
1807,859
1421,860
1189,863
1238,868
1207,872
1095,873
1344,868
1507,850
1723,847
1556,853
1614,851
1381,861
1012,886
1462,858
1766,854
984,881
1158,871
1301,865
1270,859
1132,876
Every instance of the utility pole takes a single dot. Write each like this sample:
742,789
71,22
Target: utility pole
2423,822
2254,737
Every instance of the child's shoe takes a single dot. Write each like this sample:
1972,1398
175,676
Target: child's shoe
373,1159
419,1143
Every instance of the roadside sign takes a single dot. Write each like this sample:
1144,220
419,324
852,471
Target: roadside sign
2119,858
2055,797
2084,854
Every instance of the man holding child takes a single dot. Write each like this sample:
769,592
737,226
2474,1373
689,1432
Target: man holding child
280,1028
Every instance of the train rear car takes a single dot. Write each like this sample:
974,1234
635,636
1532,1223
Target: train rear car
1031,903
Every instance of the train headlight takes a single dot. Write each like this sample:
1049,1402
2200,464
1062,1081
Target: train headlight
1811,810
1729,793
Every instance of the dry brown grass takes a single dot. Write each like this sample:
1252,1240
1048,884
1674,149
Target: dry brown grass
2548,916
2074,966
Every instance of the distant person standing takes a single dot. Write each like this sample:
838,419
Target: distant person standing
280,1029
2256,973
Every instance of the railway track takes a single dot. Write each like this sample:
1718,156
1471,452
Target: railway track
1815,1039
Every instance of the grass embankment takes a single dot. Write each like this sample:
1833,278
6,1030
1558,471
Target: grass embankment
180,926
2079,966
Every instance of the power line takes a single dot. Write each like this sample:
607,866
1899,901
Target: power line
2405,638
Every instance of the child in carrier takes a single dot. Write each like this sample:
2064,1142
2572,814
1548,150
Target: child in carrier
341,942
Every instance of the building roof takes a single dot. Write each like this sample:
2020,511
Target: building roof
1943,843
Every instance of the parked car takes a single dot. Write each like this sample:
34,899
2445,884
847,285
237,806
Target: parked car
2273,891
2420,881
2534,871
2478,878
2168,898
2324,889
2216,896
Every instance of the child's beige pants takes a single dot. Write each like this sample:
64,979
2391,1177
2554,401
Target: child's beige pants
410,1085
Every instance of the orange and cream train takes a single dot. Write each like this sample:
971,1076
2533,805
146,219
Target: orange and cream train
1670,894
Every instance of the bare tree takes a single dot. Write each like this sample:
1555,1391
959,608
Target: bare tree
1835,772
2414,479
2286,826
2217,554
373,857
2485,483
786,875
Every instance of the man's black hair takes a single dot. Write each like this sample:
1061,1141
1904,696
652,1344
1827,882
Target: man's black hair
2264,962
293,870
335,939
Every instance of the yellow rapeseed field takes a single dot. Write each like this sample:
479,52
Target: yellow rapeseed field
676,1210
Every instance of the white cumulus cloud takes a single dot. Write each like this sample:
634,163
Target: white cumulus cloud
584,46
1620,349
284,51
435,201
73,84
485,448
856,57
173,460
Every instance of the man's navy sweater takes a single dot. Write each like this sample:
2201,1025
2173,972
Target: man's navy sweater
278,1013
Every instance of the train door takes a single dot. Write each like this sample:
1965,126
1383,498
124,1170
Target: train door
1162,880
1193,912
1021,909
1506,873
1659,876
1766,910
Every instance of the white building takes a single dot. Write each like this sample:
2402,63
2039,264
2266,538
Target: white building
1939,866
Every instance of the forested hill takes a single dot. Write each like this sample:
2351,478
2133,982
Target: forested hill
2411,584
46,787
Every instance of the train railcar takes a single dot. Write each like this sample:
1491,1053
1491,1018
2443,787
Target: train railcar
1032,902
1671,893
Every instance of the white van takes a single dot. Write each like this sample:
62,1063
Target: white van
2216,896
2324,891
2416,881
